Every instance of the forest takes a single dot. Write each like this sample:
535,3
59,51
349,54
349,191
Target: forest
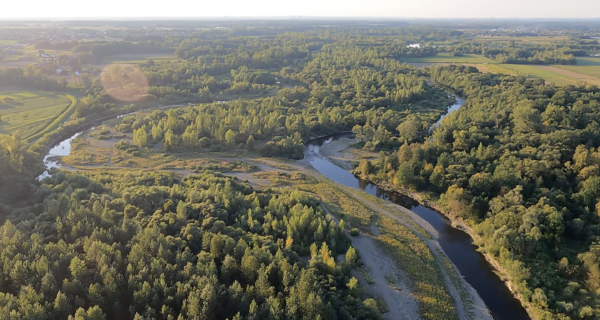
519,162
142,246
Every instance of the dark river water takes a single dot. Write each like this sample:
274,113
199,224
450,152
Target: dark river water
457,244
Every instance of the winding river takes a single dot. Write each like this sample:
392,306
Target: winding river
456,243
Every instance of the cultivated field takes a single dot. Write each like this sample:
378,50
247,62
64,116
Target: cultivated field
30,112
588,61
539,40
448,58
549,73
137,58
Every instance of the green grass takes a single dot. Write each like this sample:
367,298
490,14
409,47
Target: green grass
12,58
539,40
592,71
58,121
7,42
30,112
536,72
588,61
138,58
448,58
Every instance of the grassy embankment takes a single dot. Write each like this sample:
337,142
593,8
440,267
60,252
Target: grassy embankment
34,113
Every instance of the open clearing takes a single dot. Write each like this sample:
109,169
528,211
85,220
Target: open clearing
589,71
448,58
588,61
137,58
576,73
548,73
30,111
539,40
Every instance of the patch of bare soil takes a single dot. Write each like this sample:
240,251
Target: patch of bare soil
397,295
338,152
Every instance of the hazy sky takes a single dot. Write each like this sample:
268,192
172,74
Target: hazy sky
324,8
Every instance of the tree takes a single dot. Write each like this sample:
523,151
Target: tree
230,137
140,138
351,256
250,143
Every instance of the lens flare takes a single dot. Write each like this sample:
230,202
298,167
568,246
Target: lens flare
124,82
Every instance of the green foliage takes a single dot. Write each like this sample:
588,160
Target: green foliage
519,162
149,243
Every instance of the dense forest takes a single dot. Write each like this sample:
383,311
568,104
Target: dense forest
519,161
152,246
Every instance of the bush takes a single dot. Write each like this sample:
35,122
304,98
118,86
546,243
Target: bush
354,232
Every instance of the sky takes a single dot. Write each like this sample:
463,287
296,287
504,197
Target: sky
80,9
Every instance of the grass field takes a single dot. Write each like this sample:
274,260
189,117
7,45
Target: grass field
30,112
540,40
534,71
7,42
448,58
138,58
592,71
588,61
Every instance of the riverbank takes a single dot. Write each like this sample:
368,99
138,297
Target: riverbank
468,303
338,152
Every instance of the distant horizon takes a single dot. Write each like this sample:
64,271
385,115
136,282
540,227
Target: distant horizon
273,9
287,18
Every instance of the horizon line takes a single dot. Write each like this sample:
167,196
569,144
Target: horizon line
276,18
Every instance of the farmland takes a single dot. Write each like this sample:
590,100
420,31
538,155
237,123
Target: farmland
448,58
137,58
30,112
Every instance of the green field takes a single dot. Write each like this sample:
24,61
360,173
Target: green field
533,71
7,42
539,40
560,75
448,58
588,61
138,58
592,71
30,112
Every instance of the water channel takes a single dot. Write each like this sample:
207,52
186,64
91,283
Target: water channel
457,244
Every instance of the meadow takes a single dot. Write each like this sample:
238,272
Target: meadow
534,71
537,40
588,61
30,112
592,71
137,58
448,58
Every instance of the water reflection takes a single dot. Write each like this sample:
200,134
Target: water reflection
456,243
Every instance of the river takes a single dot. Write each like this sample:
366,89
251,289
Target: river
457,244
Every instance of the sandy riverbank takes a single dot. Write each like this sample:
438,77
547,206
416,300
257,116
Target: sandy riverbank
341,154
